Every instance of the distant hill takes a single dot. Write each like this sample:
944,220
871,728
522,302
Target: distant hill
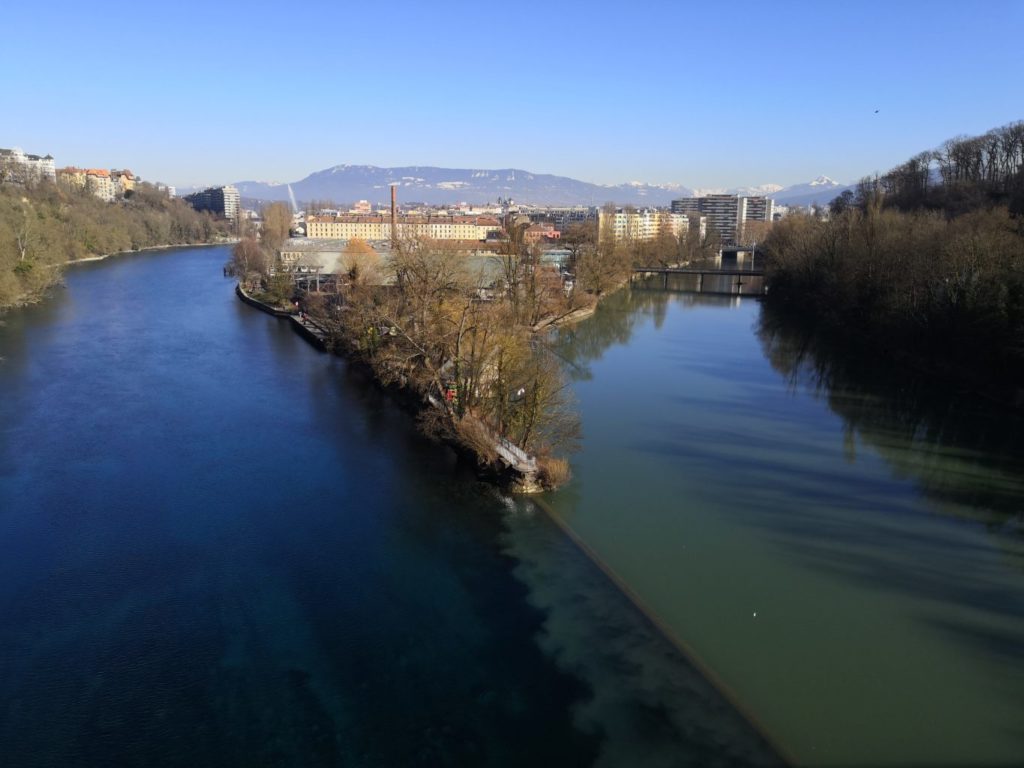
424,184
345,184
821,191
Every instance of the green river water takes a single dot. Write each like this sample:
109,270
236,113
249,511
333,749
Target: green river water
839,548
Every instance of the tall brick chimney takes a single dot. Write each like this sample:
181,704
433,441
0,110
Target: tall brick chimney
394,216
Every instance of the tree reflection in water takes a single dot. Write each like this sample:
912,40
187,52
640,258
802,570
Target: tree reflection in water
959,448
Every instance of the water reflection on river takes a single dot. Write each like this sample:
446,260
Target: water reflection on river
842,548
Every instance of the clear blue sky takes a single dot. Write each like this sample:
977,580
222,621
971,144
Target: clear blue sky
705,94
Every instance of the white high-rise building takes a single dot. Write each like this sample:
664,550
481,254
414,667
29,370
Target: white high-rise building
642,224
220,201
727,214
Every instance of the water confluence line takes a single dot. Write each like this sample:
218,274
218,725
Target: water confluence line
659,624
687,650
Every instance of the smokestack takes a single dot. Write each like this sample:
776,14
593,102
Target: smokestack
394,216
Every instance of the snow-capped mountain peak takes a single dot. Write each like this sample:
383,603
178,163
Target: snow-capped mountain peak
819,192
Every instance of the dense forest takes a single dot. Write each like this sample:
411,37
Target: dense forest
43,226
923,265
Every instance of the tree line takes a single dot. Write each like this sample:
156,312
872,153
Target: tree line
962,175
924,264
44,225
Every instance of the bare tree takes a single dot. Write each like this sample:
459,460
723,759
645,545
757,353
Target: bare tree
360,262
249,263
277,222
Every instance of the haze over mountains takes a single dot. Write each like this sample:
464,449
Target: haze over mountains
426,184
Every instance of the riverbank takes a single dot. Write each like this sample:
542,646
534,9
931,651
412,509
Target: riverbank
28,298
943,295
40,293
104,256
516,470
581,314
304,326
571,318
57,226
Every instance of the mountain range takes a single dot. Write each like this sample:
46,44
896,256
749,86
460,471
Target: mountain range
345,184
821,191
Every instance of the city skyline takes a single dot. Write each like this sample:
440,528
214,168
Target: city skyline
597,92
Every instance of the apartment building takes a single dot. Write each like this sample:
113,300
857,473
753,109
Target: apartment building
751,209
686,205
726,214
106,185
723,215
756,209
99,182
224,202
564,217
640,225
123,181
72,177
16,165
534,233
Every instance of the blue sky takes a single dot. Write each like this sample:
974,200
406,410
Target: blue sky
704,94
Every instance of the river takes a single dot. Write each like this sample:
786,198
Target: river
220,547
840,546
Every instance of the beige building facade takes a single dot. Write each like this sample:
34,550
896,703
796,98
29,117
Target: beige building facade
106,185
72,177
98,181
379,227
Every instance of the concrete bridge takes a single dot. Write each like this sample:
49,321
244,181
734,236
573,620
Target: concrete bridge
736,286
